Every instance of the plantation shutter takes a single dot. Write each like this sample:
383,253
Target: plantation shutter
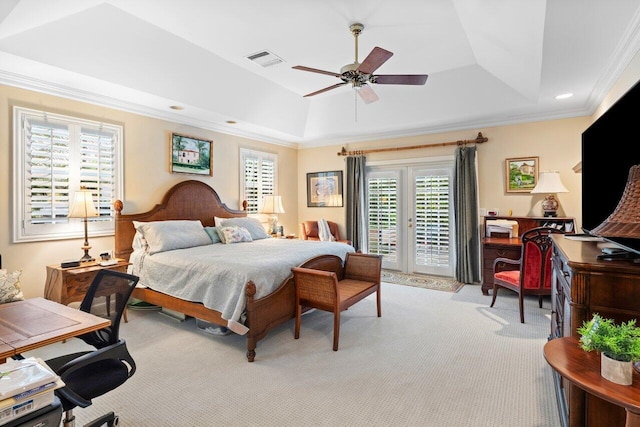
432,215
259,177
56,155
47,185
97,167
382,217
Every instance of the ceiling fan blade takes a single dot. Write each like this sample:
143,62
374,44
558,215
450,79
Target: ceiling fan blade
315,70
400,79
325,89
374,60
367,94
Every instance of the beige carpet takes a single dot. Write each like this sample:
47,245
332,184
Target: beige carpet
433,359
424,281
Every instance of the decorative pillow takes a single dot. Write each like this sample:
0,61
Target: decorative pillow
213,234
234,234
10,289
168,235
253,225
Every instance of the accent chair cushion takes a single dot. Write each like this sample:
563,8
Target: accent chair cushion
512,276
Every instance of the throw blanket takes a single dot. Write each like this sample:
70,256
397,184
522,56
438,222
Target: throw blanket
216,275
324,233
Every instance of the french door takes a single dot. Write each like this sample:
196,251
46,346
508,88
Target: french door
410,217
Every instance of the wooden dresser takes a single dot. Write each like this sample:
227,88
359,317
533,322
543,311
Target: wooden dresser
583,285
505,247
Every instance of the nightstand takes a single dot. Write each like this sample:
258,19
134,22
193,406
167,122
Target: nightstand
67,285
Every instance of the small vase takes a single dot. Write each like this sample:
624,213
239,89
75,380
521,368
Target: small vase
615,370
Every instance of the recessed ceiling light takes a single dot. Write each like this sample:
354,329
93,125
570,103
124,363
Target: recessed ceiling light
176,107
564,96
231,122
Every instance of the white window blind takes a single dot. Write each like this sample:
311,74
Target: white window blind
259,177
383,219
432,212
54,156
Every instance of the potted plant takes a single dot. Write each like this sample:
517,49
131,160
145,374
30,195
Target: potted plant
619,346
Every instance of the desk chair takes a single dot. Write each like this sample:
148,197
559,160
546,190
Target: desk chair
91,374
337,289
531,274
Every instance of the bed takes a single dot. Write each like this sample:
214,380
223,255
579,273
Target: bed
246,287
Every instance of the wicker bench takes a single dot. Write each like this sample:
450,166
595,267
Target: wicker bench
336,288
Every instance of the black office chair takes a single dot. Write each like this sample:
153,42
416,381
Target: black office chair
90,374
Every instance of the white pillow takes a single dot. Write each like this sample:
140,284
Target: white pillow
253,225
139,242
234,234
168,235
10,289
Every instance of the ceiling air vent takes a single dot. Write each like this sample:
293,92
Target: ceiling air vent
265,58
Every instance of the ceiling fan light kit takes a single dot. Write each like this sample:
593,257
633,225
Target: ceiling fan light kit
360,74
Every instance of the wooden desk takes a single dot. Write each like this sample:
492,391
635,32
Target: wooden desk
504,247
37,322
497,247
583,370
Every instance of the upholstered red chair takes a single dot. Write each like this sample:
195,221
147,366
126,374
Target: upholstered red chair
309,231
529,275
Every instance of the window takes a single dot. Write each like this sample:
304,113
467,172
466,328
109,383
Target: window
54,155
259,171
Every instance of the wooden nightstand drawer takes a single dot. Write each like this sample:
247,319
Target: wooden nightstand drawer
67,285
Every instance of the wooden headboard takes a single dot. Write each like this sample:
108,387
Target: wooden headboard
185,200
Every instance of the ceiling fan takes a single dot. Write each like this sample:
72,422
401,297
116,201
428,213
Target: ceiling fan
359,74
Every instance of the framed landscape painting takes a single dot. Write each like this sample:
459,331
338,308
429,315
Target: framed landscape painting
324,189
191,155
521,174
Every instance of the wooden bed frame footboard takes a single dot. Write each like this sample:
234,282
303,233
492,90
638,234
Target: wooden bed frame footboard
190,200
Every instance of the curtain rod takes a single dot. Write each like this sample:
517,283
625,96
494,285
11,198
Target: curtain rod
479,140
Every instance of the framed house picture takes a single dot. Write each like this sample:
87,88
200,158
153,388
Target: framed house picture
324,189
521,174
191,155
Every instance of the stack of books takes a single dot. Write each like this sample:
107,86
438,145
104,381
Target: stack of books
26,385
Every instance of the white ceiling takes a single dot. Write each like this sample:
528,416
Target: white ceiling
490,62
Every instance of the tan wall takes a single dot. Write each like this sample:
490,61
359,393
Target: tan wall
146,176
556,144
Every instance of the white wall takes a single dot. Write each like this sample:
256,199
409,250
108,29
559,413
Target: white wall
557,144
147,176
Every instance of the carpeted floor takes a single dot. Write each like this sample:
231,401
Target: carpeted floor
433,359
424,281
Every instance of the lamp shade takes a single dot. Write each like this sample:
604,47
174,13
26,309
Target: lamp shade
272,205
625,219
549,182
82,205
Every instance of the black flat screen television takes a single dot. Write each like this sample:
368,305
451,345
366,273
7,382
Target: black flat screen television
610,146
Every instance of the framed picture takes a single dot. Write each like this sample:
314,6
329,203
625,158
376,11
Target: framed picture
521,174
324,189
191,155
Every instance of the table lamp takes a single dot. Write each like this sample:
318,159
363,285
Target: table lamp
549,183
272,205
83,207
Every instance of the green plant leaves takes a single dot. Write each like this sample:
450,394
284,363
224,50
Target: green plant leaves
620,342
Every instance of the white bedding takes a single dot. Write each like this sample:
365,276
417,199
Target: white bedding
216,274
